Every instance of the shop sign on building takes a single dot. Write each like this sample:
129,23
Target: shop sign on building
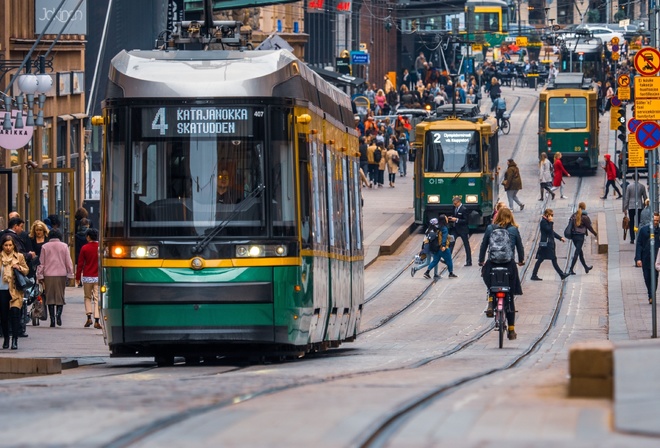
44,10
15,138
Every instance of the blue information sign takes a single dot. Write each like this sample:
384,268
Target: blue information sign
359,57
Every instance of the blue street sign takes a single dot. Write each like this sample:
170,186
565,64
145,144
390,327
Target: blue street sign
616,101
359,57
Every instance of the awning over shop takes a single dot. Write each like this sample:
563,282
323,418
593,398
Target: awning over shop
338,79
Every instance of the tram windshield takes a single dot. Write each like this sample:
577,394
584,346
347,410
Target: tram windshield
186,179
567,113
488,21
452,152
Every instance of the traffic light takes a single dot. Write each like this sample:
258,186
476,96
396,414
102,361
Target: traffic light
622,130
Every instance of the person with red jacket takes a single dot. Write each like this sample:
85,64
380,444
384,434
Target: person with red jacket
610,170
558,176
87,272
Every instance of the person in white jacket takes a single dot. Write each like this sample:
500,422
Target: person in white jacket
545,176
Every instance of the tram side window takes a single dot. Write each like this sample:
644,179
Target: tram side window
452,151
567,113
116,181
305,190
320,216
283,199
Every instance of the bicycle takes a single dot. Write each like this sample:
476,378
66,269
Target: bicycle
504,124
501,296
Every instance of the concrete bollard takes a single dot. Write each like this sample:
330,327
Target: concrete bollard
591,368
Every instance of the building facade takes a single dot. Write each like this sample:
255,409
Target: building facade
44,174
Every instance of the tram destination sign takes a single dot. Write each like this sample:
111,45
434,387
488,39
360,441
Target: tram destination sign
187,121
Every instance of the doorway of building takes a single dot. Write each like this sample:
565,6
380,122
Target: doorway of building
54,191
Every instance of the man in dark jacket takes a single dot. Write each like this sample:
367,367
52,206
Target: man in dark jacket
643,256
460,220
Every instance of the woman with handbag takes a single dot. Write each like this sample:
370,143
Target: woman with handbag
581,225
546,249
11,299
56,266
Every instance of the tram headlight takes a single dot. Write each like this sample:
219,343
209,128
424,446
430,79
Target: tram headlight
119,251
471,199
144,251
257,250
433,199
250,251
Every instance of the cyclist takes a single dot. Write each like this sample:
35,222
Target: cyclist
499,107
504,220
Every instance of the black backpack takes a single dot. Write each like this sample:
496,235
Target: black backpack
377,155
499,245
434,242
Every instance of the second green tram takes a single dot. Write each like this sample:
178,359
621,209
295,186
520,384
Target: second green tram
456,154
568,121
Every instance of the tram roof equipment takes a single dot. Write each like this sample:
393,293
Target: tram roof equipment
462,111
570,81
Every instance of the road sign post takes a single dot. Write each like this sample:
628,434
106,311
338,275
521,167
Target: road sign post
653,194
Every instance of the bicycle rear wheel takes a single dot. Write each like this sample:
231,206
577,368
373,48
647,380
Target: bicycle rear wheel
506,126
501,320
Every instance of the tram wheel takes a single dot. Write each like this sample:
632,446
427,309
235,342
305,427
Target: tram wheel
164,360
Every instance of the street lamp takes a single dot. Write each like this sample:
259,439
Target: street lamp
29,85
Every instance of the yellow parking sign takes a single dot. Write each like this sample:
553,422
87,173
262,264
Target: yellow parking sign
635,153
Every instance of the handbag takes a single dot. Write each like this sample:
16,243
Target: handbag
625,225
543,244
37,311
21,281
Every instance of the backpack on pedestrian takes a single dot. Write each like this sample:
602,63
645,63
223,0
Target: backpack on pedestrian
568,231
434,242
377,155
500,249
